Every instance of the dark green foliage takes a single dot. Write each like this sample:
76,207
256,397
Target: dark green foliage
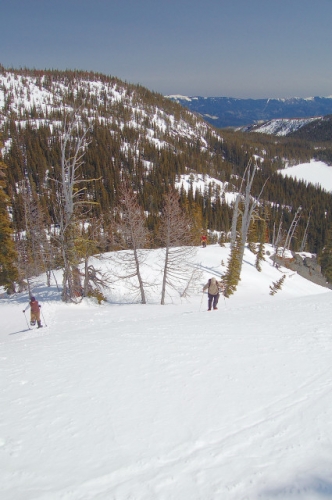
259,256
319,130
232,276
8,257
262,238
277,285
326,257
98,295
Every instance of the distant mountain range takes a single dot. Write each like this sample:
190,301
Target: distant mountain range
315,129
225,112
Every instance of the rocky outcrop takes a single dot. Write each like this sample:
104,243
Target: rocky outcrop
305,266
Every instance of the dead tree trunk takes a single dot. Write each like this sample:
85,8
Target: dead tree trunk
73,147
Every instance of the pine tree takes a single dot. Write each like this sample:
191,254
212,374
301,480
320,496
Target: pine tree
8,270
259,256
277,285
262,239
326,257
232,275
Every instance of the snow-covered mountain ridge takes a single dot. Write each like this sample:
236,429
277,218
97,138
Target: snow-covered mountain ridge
280,127
40,99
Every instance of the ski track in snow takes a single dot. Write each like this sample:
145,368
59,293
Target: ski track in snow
159,403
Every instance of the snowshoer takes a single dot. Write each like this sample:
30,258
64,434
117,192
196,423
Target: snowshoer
34,312
213,287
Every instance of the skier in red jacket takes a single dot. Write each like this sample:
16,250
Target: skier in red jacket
34,312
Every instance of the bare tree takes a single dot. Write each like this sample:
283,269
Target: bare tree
277,241
177,239
292,230
33,245
70,196
244,211
305,234
132,234
90,244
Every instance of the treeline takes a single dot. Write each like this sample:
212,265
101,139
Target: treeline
34,156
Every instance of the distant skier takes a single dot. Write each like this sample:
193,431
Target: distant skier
203,240
213,287
34,312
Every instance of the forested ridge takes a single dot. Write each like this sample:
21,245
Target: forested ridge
139,137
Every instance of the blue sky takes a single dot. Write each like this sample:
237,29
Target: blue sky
234,48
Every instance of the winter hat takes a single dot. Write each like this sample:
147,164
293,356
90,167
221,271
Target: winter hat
213,280
32,299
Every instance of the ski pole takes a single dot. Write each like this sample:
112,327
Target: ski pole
43,317
26,321
224,294
201,301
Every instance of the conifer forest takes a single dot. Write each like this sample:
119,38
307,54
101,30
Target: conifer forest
76,147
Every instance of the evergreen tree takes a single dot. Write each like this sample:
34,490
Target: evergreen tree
262,232
8,270
277,285
326,257
259,256
233,272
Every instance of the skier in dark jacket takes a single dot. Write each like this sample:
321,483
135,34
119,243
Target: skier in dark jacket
34,312
213,287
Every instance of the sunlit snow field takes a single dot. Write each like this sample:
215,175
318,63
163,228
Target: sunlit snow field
314,172
147,402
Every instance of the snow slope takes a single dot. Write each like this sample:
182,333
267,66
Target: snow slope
147,402
281,126
315,172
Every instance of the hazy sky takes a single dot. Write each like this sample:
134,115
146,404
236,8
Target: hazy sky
233,48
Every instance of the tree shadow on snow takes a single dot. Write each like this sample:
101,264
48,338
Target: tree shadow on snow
318,486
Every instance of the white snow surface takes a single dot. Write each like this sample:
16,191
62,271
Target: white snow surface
204,183
315,172
126,401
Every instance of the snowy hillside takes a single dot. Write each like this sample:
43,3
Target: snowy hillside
315,172
40,100
280,127
147,402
